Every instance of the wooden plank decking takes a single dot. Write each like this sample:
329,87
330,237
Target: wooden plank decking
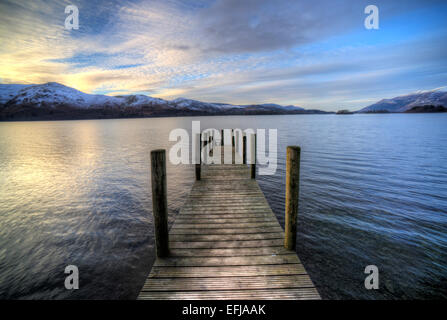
226,243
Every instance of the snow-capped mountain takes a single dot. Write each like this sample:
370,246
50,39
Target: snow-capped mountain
272,105
198,105
406,102
54,100
53,94
9,91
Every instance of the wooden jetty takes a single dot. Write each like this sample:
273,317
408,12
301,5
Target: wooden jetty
225,243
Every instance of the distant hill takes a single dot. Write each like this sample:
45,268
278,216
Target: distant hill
425,109
56,101
9,91
344,111
407,102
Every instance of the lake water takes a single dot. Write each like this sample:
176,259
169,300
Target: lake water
373,192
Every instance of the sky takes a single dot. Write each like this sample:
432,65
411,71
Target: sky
313,54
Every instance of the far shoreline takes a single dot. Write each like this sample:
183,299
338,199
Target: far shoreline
43,119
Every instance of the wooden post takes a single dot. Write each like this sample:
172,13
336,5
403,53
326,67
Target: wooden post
292,195
244,150
211,139
205,148
222,138
253,155
198,155
233,148
160,202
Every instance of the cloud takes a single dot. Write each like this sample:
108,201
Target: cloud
252,25
292,52
363,74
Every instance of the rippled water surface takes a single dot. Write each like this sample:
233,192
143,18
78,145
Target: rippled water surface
373,191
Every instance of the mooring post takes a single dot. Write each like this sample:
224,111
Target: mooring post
205,148
160,202
211,139
198,155
233,148
201,147
244,149
253,155
292,195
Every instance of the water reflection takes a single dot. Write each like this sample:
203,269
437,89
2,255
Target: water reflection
373,191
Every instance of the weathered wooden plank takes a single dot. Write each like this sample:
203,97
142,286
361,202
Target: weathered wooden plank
217,211
227,193
229,189
227,271
223,166
224,194
217,237
228,252
227,202
214,204
236,187
227,261
228,283
235,231
229,216
226,174
226,211
224,221
226,244
225,184
229,206
262,294
225,177
214,225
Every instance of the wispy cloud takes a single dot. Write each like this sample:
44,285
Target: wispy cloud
310,53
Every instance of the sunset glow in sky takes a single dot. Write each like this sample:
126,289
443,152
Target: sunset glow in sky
314,54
